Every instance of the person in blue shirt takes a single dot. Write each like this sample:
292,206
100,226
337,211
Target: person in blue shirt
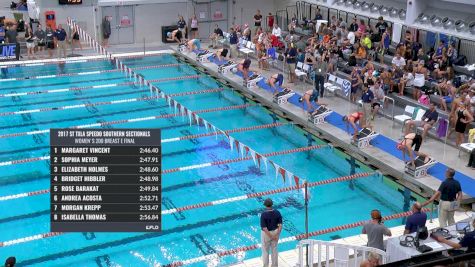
182,25
2,33
367,97
416,220
271,226
467,241
233,42
60,37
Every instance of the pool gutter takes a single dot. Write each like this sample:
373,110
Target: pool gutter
374,157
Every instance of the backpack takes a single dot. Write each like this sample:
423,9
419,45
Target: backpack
424,100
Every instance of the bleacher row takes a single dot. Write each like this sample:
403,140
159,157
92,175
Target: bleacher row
404,107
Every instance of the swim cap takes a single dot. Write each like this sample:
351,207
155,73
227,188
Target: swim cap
169,34
345,118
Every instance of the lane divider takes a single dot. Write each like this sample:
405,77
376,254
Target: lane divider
266,193
112,102
129,120
218,255
226,252
188,77
191,167
86,73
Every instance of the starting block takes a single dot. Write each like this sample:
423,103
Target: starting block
422,166
182,48
319,115
227,67
364,137
282,97
252,81
204,56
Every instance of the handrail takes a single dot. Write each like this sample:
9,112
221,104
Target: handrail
324,249
393,101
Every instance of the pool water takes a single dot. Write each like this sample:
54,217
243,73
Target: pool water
186,234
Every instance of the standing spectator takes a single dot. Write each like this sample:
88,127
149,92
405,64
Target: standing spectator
11,37
30,42
291,56
276,31
354,25
49,40
75,39
216,36
375,230
271,225
194,28
270,21
41,38
361,28
60,38
233,42
381,26
182,26
355,84
450,194
318,15
257,20
106,30
320,69
471,160
367,97
416,220
464,117
441,51
384,45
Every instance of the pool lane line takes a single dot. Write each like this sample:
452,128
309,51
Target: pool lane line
185,168
226,252
168,140
112,102
188,77
85,73
266,193
130,120
233,251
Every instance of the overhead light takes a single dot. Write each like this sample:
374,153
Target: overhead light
367,6
402,14
448,23
436,21
357,5
383,11
460,25
393,12
340,2
423,18
375,8
472,27
349,2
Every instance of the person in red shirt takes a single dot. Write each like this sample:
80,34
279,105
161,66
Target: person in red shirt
270,21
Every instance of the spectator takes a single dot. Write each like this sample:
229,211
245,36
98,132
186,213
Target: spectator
452,54
106,30
318,15
291,59
2,30
381,26
450,194
416,220
360,52
463,118
471,160
270,21
194,28
447,93
10,262
428,121
379,96
441,50
30,42
50,45
354,25
233,42
361,28
41,38
216,36
60,39
398,61
373,260
356,83
271,226
351,37
276,31
384,45
182,26
367,98
257,19
246,32
386,77
320,68
366,41
420,76
375,230
407,80
467,241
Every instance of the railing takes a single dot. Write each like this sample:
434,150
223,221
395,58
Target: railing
334,254
393,102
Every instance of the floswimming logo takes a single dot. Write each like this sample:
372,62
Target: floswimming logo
8,51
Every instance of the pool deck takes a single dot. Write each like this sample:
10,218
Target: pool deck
387,163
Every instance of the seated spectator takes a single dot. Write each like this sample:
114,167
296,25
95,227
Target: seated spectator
366,41
351,37
452,53
447,93
397,76
276,31
398,61
360,52
354,25
276,79
421,56
442,69
416,220
246,32
375,230
408,37
356,83
373,260
411,140
428,121
467,241
386,78
407,80
440,51
216,36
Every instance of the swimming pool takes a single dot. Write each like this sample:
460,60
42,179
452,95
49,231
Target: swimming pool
92,93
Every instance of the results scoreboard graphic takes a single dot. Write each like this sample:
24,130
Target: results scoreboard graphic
105,180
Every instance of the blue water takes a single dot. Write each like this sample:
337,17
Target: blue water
186,234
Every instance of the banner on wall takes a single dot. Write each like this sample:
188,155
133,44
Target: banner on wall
9,52
218,14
